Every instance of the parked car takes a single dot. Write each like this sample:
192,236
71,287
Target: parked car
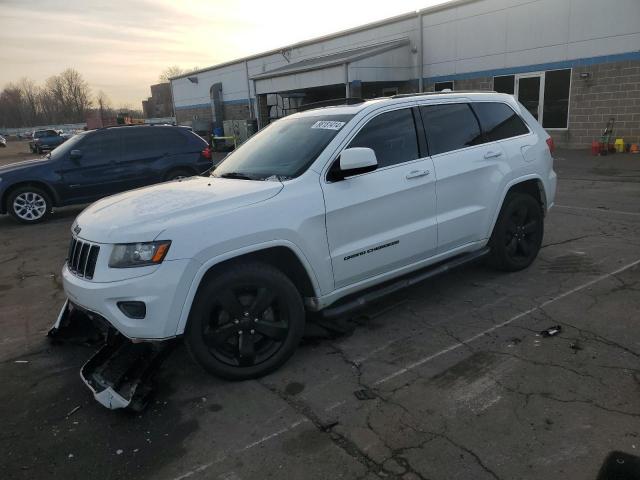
44,140
3,141
323,210
97,163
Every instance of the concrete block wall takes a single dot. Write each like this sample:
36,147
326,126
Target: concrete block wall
189,114
612,90
236,111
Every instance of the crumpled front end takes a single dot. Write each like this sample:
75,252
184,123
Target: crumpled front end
120,374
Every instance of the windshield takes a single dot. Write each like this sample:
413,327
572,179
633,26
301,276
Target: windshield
66,147
284,149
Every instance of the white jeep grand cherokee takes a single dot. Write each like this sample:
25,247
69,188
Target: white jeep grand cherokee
322,210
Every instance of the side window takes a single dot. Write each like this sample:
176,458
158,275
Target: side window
100,147
169,140
498,121
450,127
138,141
392,136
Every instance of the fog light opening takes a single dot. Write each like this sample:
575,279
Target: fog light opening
136,310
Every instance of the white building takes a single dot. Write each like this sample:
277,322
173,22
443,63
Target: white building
573,63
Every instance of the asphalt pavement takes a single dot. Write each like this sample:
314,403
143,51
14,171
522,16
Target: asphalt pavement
450,379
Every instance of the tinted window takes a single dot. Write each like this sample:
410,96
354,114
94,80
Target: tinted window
556,98
100,147
392,136
498,121
450,127
151,141
504,84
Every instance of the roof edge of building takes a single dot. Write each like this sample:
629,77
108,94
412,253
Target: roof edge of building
385,21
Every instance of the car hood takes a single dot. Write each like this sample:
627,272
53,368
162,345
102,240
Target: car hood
13,167
141,215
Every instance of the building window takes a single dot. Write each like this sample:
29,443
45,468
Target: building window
504,84
555,111
440,86
548,102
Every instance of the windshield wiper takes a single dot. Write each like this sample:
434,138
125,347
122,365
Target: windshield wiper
238,175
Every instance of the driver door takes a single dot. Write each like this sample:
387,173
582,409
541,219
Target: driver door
96,173
385,219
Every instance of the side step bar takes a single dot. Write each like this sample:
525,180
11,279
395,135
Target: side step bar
371,296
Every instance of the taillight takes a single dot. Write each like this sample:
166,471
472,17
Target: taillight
206,153
551,145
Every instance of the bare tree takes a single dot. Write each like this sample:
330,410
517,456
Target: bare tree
64,98
11,106
77,93
174,71
29,92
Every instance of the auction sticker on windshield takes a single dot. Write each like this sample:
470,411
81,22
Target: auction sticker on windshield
328,125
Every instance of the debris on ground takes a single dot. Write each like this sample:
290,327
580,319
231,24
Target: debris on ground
73,411
365,394
21,361
119,451
551,331
575,346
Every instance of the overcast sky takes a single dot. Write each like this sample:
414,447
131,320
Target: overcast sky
121,46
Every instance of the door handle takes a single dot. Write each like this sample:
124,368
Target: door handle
417,173
491,154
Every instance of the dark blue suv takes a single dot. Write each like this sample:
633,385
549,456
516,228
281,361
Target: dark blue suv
98,163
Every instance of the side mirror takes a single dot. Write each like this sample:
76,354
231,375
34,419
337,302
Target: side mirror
354,161
75,154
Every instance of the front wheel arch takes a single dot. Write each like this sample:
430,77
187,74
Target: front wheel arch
286,257
4,208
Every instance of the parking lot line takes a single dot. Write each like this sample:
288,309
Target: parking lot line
222,457
600,210
455,346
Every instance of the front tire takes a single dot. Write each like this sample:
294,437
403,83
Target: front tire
29,205
245,322
517,235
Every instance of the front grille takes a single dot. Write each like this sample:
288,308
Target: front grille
82,258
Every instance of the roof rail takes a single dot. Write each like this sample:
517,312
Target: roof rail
330,103
126,125
403,95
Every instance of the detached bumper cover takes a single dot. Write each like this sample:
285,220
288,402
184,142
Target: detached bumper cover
120,374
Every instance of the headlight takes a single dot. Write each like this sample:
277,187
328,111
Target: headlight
128,255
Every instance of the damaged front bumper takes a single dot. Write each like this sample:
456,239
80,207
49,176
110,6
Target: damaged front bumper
120,373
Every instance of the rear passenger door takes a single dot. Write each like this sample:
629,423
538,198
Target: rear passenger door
469,170
385,219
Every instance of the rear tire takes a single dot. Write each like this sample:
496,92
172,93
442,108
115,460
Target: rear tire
245,322
29,205
517,235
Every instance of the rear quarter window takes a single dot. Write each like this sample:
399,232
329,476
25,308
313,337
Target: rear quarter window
498,121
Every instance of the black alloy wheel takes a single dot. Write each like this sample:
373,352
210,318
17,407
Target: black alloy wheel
247,325
518,233
245,322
